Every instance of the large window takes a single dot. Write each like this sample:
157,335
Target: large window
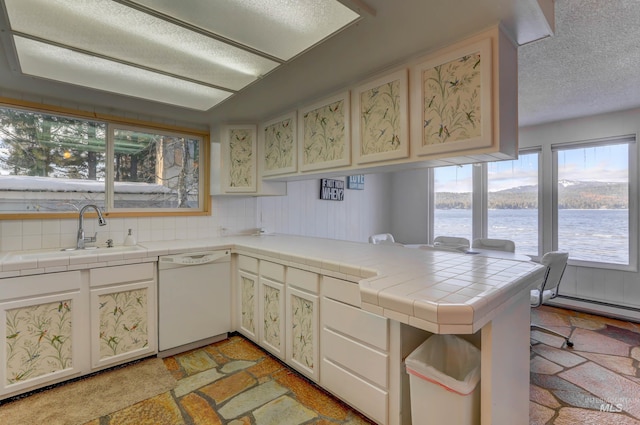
593,201
52,163
512,201
453,189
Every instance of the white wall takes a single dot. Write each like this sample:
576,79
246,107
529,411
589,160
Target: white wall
608,286
301,212
409,206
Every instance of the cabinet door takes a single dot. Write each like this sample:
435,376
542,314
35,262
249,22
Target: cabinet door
123,323
302,328
42,341
248,304
272,312
238,143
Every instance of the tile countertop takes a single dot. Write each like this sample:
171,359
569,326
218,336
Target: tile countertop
438,291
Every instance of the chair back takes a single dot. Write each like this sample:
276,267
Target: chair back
451,241
494,244
556,262
382,238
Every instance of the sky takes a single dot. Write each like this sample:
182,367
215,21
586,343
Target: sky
603,163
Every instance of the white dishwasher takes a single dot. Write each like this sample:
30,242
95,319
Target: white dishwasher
194,299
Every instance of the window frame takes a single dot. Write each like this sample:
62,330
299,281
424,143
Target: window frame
631,141
112,122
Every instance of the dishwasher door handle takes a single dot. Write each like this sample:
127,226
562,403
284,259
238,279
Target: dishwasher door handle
195,258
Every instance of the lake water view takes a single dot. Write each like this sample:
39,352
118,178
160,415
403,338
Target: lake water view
590,235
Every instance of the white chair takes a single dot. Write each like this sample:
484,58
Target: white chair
494,244
556,262
382,238
451,243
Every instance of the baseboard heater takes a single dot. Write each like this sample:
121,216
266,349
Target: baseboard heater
600,308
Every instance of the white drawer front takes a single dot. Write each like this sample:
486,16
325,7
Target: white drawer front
119,274
303,279
248,263
362,395
365,326
272,271
363,360
341,290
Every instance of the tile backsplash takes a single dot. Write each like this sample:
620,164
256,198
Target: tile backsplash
229,216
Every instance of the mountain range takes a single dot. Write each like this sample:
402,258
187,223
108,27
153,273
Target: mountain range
571,195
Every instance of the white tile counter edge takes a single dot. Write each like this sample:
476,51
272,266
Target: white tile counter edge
439,291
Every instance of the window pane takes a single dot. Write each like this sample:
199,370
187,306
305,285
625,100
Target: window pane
593,203
50,163
513,202
452,196
153,170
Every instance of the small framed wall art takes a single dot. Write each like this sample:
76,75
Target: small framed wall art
381,121
332,190
355,182
452,100
324,133
279,142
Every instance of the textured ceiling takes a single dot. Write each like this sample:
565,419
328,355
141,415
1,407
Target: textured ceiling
590,66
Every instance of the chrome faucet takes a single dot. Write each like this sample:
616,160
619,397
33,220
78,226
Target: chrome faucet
101,222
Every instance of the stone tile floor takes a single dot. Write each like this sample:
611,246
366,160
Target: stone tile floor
595,382
233,382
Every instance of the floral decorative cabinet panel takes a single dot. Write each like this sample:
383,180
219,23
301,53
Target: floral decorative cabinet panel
454,101
239,158
302,332
302,328
248,304
38,340
381,106
123,322
273,316
279,148
324,134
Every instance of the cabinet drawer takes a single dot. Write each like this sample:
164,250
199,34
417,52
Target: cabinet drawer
120,274
359,324
359,358
36,285
272,271
248,263
341,290
362,395
303,279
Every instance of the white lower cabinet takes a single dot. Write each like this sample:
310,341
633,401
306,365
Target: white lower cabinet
123,313
42,334
315,324
302,332
61,325
354,350
247,297
271,308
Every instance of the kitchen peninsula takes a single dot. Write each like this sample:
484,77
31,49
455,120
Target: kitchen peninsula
411,292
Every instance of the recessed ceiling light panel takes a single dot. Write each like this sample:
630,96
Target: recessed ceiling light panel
112,30
281,28
68,66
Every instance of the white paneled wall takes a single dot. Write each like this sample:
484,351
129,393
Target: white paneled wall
229,216
301,212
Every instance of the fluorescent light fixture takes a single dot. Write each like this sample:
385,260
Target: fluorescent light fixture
56,63
281,28
157,49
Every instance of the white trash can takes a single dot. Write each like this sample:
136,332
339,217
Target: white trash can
443,376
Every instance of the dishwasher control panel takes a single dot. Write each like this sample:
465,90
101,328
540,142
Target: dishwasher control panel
195,258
